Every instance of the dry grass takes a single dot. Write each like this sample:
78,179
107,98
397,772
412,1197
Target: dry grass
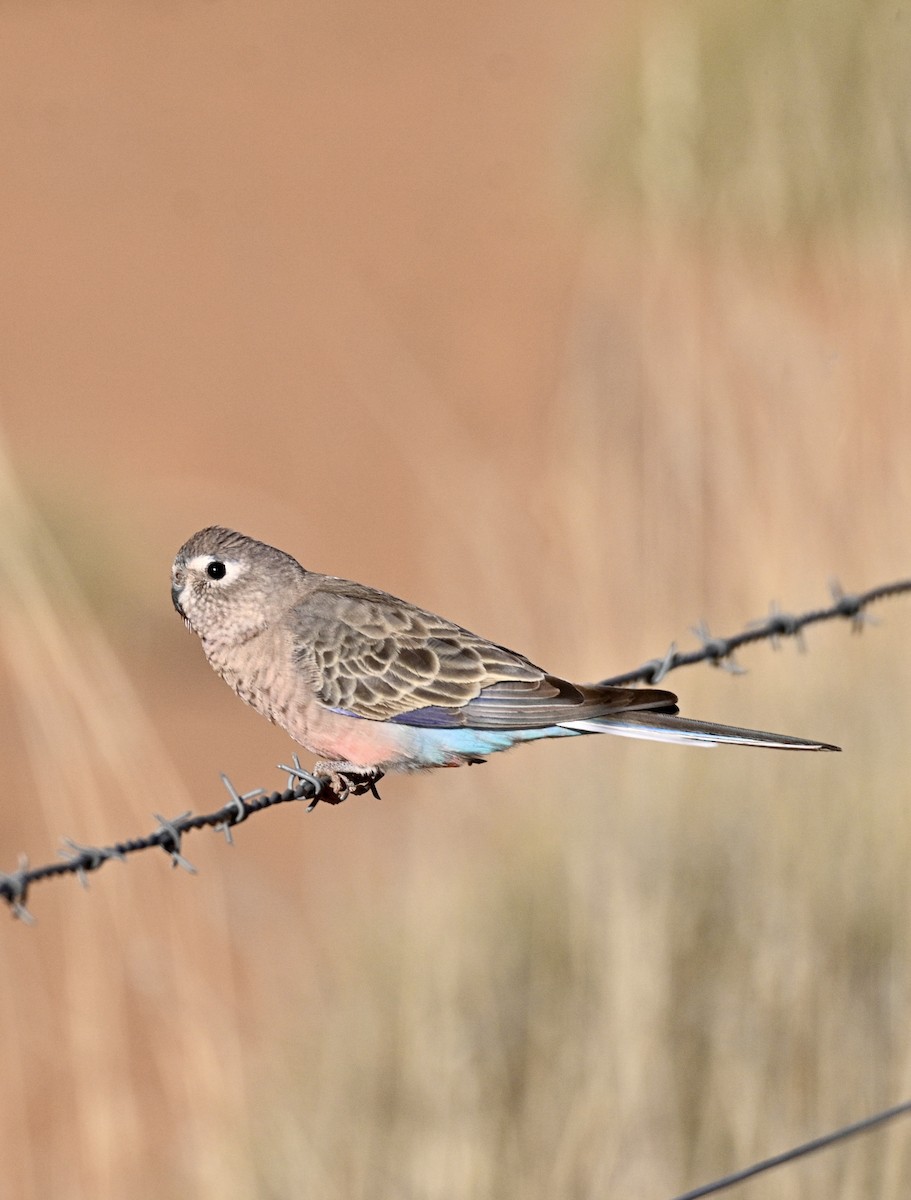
582,971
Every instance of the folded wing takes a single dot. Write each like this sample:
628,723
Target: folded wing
381,659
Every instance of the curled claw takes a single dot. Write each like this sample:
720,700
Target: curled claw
347,780
361,782
366,782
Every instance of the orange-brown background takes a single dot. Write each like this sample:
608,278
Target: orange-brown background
574,322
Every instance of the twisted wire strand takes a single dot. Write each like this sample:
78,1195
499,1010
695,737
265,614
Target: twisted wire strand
719,651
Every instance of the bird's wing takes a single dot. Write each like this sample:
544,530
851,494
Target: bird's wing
376,657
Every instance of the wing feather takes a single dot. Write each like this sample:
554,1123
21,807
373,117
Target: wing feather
379,658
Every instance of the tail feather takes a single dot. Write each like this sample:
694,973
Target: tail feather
661,727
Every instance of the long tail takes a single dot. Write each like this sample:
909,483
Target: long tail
661,727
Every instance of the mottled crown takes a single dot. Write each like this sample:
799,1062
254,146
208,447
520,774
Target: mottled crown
215,539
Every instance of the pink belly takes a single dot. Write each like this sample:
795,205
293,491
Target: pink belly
363,743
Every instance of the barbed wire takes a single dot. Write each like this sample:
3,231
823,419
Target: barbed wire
719,651
81,860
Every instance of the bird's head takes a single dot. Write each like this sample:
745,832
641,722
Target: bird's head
228,587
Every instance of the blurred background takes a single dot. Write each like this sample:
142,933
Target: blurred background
576,322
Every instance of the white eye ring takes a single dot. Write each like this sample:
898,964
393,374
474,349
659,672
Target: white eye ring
202,562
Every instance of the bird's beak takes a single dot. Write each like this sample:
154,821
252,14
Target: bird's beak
177,585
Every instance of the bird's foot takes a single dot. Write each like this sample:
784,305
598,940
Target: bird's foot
346,779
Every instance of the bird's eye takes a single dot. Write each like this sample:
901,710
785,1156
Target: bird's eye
216,569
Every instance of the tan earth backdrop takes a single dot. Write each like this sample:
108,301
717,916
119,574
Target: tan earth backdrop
577,323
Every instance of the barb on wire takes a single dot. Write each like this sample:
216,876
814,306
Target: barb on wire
719,651
14,889
81,861
779,1160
